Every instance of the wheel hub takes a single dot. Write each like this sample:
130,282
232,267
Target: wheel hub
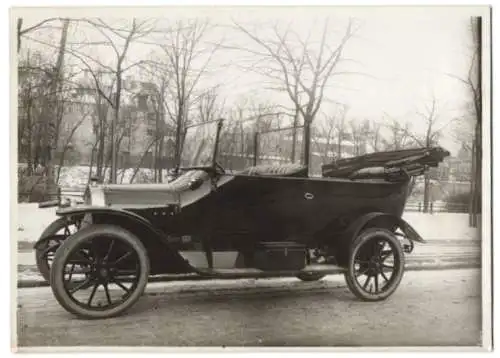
101,272
374,266
104,273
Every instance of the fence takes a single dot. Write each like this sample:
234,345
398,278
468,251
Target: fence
436,207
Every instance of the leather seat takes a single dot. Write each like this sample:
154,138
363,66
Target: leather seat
183,182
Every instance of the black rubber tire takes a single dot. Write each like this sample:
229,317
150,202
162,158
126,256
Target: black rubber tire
351,281
90,233
310,276
41,262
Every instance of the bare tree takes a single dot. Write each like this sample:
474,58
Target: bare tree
115,36
186,59
463,131
208,106
52,111
153,101
119,40
399,136
374,138
330,134
143,156
359,133
473,83
68,137
34,78
433,131
44,87
247,117
303,74
21,32
323,138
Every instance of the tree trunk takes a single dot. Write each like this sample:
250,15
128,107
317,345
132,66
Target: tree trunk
472,185
294,135
100,156
477,153
307,140
29,149
19,27
55,88
61,163
339,144
426,192
156,166
101,140
107,161
160,156
142,159
178,136
92,153
113,131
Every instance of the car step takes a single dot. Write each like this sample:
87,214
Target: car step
253,272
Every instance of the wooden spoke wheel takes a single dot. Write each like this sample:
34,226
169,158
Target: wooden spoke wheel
310,276
117,270
376,265
58,231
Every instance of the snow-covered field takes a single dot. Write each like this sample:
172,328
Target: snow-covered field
32,221
77,176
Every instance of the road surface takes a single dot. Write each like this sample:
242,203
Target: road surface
430,308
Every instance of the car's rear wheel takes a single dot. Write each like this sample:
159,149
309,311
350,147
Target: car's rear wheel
376,265
116,275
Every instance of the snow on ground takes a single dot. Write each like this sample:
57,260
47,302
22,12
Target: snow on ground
32,221
77,176
442,225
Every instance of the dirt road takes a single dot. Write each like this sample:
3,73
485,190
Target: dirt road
431,308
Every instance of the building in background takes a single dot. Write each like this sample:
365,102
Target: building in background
138,125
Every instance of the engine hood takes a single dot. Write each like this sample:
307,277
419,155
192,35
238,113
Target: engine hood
184,190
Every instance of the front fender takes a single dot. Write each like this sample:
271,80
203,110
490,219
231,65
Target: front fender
164,259
50,232
86,209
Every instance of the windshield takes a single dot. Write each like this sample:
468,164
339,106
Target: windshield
280,146
199,145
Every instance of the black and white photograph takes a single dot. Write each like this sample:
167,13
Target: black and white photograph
218,177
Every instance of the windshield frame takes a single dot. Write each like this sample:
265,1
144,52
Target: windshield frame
257,135
213,164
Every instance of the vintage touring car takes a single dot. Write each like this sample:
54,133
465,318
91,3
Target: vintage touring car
268,218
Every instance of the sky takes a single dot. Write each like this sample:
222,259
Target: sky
402,56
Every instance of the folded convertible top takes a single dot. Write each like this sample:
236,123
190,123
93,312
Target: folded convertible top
389,164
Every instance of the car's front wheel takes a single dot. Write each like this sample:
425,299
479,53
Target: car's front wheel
115,275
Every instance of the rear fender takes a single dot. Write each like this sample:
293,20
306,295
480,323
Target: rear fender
383,220
372,220
163,258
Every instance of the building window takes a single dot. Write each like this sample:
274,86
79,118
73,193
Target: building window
150,132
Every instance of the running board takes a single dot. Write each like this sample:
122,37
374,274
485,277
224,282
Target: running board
252,272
